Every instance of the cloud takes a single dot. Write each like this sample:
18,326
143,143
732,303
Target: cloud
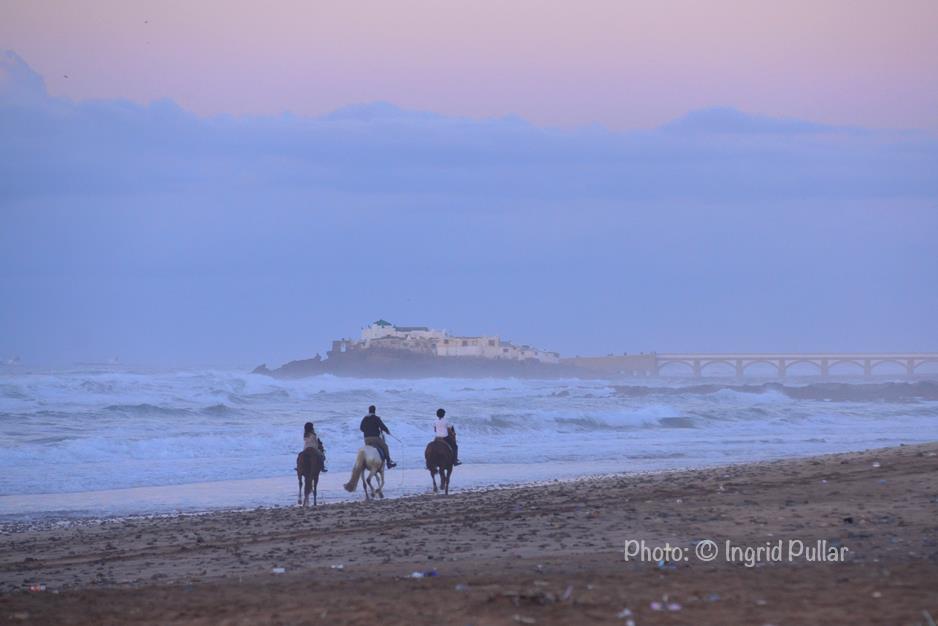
727,120
19,84
723,155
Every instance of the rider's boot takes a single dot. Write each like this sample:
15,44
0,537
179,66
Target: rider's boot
457,462
391,464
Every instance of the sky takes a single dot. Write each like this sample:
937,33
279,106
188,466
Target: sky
259,185
623,64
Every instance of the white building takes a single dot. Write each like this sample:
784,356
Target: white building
439,342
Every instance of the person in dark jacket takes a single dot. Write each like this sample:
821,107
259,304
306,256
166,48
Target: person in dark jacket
371,428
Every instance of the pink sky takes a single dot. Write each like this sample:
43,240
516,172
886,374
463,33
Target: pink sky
618,63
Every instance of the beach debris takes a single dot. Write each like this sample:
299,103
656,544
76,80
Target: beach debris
279,570
823,481
337,566
876,594
665,605
461,587
427,574
626,614
848,520
713,597
567,593
521,619
876,464
37,587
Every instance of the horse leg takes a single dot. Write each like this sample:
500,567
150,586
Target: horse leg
315,486
433,478
299,493
365,485
381,484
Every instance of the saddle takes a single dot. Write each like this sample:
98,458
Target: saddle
379,450
446,443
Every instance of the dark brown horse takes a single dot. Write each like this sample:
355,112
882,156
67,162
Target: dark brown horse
308,466
440,457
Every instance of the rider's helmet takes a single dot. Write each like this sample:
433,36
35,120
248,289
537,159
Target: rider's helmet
440,413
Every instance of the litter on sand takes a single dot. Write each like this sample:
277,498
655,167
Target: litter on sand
279,570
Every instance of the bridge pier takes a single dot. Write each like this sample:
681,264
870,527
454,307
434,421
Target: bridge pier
697,368
910,368
739,368
782,368
867,368
825,368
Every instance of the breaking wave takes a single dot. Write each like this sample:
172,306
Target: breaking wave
834,392
110,429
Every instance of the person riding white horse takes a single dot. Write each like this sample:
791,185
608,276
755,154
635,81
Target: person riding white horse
372,426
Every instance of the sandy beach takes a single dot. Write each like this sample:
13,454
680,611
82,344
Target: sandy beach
546,554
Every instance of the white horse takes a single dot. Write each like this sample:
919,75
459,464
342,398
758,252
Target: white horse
368,458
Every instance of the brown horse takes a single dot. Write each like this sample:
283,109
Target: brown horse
439,457
308,466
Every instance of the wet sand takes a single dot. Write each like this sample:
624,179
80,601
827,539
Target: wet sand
546,554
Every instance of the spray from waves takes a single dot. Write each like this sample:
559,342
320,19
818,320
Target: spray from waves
833,392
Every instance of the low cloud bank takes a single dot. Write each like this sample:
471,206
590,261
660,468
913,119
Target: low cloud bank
112,146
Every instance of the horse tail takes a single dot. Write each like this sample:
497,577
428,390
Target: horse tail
357,470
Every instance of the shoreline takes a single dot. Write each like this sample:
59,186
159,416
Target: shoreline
26,511
551,552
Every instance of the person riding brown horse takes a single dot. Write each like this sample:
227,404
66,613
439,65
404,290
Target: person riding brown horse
309,463
440,455
445,431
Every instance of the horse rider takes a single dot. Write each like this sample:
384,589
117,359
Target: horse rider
371,428
445,431
311,441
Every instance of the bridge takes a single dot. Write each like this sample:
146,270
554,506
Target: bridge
696,363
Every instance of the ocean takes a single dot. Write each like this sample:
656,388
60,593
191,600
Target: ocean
100,442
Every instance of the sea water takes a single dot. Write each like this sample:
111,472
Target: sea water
103,442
